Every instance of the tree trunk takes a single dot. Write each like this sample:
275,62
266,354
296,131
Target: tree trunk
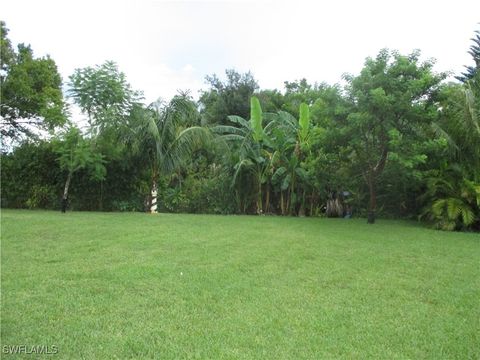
373,200
267,199
153,197
238,200
311,203
301,211
100,205
372,178
259,200
65,193
287,202
290,203
282,202
154,190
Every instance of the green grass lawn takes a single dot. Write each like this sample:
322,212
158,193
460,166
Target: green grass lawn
110,285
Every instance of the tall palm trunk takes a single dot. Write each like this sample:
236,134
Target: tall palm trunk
153,197
153,192
65,192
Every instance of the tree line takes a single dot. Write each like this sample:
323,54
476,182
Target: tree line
398,140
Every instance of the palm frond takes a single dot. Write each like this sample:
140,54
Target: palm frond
472,119
184,144
232,137
243,164
441,133
454,207
438,207
226,129
239,120
287,120
468,215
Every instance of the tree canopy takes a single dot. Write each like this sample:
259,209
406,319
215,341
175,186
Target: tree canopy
31,90
225,98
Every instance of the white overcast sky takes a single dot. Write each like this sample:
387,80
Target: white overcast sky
163,46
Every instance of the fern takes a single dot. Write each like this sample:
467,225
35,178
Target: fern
438,207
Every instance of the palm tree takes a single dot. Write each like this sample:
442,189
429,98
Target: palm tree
160,133
453,192
454,201
459,124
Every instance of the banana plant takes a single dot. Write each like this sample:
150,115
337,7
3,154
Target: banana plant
253,145
291,144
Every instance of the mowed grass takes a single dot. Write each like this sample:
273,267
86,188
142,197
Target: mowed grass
110,285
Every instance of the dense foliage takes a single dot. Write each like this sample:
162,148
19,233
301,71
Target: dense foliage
31,95
396,141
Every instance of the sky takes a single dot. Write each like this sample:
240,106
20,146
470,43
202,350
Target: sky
166,46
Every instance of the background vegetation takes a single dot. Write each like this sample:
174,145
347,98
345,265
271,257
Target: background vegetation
397,140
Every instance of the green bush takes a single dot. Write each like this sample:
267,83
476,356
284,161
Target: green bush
42,197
